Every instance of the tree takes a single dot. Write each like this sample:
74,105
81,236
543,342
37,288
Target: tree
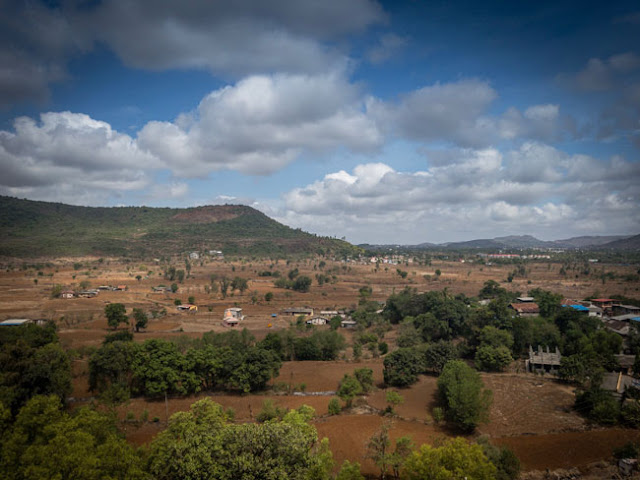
140,318
46,442
224,286
455,459
268,296
463,395
349,388
191,300
350,471
493,359
201,444
302,284
335,322
239,283
174,287
436,355
116,314
365,377
393,399
138,277
401,368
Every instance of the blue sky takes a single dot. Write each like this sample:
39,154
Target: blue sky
384,122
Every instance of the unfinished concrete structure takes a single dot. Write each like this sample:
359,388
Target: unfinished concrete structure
543,361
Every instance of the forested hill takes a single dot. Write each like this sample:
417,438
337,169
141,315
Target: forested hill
31,229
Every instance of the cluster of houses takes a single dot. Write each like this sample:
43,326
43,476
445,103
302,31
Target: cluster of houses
91,293
216,254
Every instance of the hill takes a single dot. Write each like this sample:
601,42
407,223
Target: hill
35,229
631,243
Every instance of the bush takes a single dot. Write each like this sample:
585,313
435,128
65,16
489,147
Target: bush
365,377
401,368
383,347
493,359
334,406
598,405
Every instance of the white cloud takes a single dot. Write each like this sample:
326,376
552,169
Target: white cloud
262,124
603,75
67,156
534,189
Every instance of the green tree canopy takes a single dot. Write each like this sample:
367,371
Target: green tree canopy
455,459
463,395
116,314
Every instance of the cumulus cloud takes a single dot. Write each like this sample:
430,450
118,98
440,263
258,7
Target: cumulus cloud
457,112
534,189
70,156
603,75
262,124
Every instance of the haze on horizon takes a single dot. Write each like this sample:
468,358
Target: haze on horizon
383,122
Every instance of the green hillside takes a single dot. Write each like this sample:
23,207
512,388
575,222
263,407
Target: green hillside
37,229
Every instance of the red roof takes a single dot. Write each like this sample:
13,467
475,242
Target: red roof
528,307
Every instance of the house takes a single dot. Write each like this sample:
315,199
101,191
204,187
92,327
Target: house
88,294
595,311
616,326
68,294
626,363
194,255
232,317
543,361
329,313
298,311
618,382
121,288
626,310
347,323
317,321
525,309
606,304
15,322
161,289
577,307
187,308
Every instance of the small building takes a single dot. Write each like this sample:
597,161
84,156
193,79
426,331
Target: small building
618,382
616,326
15,322
121,288
298,311
68,294
626,363
348,323
232,317
329,313
577,307
88,294
626,310
626,466
606,304
543,361
194,256
595,311
317,321
526,309
525,299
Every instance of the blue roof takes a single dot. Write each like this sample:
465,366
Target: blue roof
580,308
636,319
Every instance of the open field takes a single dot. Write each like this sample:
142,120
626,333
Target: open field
531,414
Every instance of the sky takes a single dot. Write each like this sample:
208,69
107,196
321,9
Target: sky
396,122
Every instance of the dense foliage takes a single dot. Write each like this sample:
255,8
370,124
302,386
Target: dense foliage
463,395
33,363
157,367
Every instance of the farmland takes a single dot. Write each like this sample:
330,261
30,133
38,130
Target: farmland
531,414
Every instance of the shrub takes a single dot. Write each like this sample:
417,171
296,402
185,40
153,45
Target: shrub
334,406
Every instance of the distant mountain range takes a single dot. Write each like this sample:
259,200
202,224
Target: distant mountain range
30,229
518,242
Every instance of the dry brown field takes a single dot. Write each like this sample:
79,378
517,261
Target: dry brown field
530,414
